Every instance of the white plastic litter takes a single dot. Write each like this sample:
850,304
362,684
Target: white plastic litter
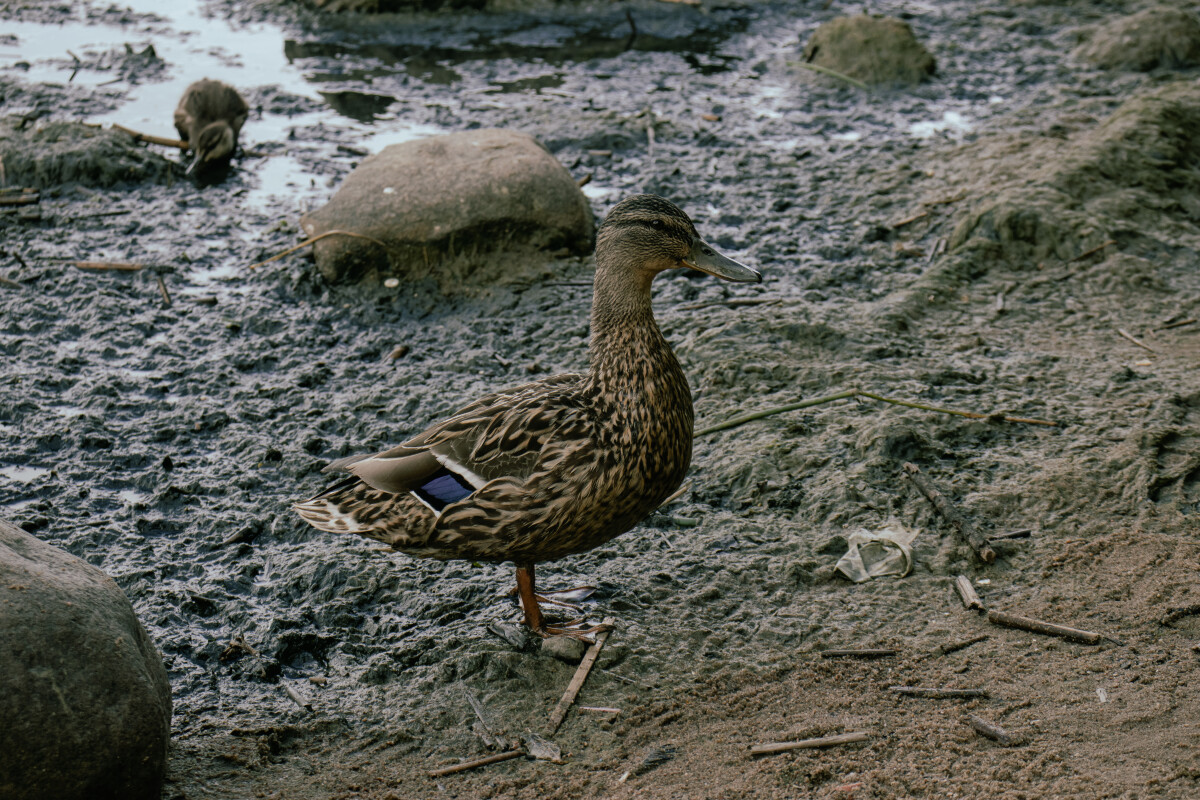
874,554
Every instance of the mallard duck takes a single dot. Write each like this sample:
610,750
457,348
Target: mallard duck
209,117
560,465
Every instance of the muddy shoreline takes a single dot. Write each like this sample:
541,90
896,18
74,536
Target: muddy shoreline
163,443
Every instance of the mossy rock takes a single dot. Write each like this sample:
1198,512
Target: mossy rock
1162,36
58,153
875,50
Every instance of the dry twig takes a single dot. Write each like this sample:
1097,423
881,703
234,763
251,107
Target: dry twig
145,137
817,401
23,199
1047,628
1091,252
921,691
966,530
1127,335
476,762
833,73
908,220
162,287
1178,324
809,744
992,731
585,666
953,647
852,653
316,238
107,266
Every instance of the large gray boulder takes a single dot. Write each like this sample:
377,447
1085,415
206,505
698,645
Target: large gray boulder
444,205
85,707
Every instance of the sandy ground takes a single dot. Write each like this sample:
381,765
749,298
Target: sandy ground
163,443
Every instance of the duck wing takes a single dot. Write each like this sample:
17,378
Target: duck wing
501,436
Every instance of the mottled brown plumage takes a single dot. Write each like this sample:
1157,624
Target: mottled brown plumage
209,117
560,465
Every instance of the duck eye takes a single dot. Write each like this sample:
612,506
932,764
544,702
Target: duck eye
657,224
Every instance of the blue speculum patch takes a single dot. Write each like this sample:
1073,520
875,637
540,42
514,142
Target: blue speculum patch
444,488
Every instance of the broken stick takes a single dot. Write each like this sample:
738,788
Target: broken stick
585,666
967,592
974,538
1047,628
921,691
809,744
954,647
992,731
107,266
20,199
476,762
1127,335
145,137
867,653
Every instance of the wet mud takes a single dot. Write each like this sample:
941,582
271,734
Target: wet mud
992,240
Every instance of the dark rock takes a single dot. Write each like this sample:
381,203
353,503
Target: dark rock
83,693
875,50
451,206
564,648
1162,36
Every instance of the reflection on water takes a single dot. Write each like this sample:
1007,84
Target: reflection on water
530,84
361,106
552,44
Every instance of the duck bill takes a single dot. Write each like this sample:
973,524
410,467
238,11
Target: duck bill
194,165
705,258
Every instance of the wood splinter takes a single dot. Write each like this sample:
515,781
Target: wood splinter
809,744
1047,628
992,731
954,647
966,530
967,592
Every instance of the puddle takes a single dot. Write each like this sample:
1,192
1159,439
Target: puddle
952,122
18,474
133,497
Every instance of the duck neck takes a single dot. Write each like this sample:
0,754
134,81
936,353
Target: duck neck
631,361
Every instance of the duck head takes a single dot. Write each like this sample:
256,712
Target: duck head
648,235
214,144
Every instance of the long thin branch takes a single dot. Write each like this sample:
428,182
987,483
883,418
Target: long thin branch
145,137
742,420
316,238
833,73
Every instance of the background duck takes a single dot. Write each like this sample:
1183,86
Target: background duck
560,465
209,117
